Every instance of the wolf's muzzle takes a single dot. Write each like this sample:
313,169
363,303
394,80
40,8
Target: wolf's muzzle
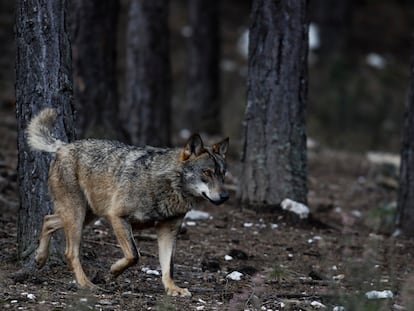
224,196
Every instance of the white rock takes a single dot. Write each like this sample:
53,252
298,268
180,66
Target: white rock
375,294
396,233
338,277
274,226
317,305
295,207
200,308
98,222
247,225
150,271
235,276
191,223
228,258
381,158
338,308
31,296
197,215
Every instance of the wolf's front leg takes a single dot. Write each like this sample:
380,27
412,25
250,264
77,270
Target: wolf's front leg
167,233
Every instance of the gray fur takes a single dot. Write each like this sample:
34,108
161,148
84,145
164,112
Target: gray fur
142,186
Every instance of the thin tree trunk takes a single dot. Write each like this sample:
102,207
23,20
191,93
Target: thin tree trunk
145,112
203,97
405,212
43,79
94,35
274,154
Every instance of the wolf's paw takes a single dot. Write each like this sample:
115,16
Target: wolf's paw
40,259
178,291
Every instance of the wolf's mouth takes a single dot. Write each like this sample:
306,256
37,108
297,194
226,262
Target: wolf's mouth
216,202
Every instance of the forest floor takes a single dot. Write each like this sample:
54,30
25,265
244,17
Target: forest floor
332,259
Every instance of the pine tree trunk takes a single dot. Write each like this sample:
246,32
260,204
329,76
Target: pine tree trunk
94,39
203,97
43,79
405,212
145,112
274,153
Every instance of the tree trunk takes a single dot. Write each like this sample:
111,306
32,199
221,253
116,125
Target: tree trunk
145,112
405,212
203,97
94,35
274,153
43,79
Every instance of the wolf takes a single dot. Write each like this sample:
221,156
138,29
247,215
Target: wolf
131,187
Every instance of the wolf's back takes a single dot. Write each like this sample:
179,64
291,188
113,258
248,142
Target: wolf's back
39,132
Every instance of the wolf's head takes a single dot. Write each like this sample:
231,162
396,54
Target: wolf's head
204,169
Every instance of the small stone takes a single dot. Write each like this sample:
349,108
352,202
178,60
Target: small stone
235,276
318,305
228,258
375,294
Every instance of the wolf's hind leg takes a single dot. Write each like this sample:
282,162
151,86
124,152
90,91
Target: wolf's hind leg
167,232
123,233
51,223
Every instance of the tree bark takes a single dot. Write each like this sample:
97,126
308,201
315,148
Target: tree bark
405,211
145,112
43,79
274,154
94,39
203,97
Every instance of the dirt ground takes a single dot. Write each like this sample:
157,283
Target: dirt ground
331,260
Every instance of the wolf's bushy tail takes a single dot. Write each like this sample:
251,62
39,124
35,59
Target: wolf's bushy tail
39,132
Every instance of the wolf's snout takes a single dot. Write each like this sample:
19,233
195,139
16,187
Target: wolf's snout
218,199
224,196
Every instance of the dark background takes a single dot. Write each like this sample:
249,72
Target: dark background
352,105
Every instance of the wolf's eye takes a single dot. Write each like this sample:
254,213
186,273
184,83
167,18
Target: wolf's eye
207,173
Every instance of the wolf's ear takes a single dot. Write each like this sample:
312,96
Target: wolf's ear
194,147
221,147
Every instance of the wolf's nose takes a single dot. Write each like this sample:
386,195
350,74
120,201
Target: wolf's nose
224,196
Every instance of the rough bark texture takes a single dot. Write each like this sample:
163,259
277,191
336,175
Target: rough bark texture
274,153
145,112
93,30
43,79
405,213
203,97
